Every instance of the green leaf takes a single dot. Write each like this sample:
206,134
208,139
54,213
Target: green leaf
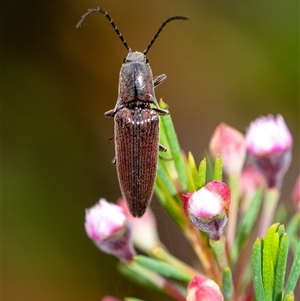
289,297
152,280
188,172
170,203
227,284
132,299
168,127
275,250
201,178
281,267
292,230
140,275
192,165
209,168
281,230
218,169
268,261
246,225
294,273
256,267
163,140
163,174
162,268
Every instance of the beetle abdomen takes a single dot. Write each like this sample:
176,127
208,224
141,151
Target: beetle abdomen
137,144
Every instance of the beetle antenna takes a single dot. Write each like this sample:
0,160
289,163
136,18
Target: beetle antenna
111,21
161,28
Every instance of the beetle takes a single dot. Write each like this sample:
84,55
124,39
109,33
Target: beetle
136,123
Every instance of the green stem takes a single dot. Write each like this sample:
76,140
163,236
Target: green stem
219,249
152,280
268,211
234,183
203,252
163,255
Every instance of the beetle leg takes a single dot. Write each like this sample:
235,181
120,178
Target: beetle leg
157,80
110,113
162,148
161,111
158,109
110,139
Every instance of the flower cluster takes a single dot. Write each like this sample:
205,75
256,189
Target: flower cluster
218,219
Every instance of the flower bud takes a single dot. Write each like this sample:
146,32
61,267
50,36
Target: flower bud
203,289
230,145
269,144
144,229
107,226
208,208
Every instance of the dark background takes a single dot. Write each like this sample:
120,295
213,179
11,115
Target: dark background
232,62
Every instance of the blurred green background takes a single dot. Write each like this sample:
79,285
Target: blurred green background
232,62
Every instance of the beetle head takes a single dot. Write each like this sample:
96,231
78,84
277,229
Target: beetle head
136,57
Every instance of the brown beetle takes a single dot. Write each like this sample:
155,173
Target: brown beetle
136,123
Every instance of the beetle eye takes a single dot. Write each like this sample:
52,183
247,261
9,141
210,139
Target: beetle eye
124,61
147,62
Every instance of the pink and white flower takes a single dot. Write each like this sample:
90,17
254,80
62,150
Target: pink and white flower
230,145
203,289
107,226
268,135
208,208
269,143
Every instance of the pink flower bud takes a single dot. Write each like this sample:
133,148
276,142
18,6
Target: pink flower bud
296,193
106,224
203,289
269,144
208,208
144,229
230,145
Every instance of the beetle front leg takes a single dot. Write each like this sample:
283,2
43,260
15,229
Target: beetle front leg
157,80
110,113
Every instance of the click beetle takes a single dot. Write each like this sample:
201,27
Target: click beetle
136,123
